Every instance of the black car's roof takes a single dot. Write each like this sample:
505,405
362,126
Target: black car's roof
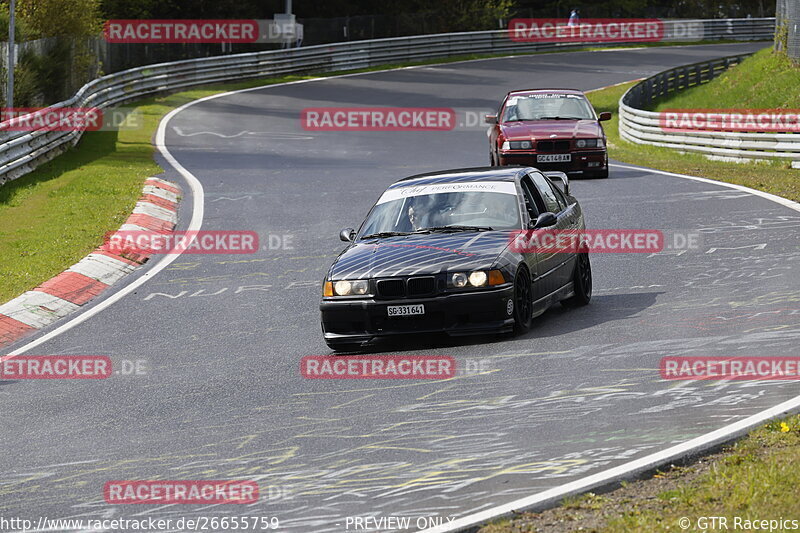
462,175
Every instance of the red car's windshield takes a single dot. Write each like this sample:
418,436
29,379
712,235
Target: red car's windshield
547,106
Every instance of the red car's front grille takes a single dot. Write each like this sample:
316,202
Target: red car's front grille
552,146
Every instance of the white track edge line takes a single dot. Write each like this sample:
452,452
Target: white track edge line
772,197
197,188
645,463
198,207
649,461
195,224
196,221
563,490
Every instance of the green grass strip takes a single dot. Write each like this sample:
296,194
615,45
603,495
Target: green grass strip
54,216
776,177
755,479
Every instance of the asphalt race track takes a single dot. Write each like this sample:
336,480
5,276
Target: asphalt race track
222,335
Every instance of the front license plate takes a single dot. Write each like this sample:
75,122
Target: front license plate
554,158
406,310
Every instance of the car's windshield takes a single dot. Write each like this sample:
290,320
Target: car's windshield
456,206
547,106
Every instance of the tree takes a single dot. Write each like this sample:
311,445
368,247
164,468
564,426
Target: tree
54,18
55,68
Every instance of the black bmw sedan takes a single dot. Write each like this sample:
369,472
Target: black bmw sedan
440,252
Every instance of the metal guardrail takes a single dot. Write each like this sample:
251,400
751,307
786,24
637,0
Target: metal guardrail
22,151
645,127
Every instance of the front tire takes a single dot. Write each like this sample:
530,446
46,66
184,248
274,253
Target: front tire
582,282
523,303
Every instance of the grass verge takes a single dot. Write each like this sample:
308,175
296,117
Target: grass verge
754,479
54,216
757,89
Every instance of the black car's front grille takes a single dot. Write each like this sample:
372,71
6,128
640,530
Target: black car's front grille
406,287
421,286
552,146
391,288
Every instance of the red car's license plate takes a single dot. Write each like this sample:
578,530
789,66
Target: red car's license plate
554,158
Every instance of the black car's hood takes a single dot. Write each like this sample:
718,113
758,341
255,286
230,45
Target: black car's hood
420,254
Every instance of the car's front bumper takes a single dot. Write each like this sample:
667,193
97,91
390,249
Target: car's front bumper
363,320
582,162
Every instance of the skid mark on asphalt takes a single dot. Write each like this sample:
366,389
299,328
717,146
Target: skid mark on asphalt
269,134
436,461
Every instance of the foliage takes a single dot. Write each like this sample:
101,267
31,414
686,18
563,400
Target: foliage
60,61
457,9
469,15
51,18
22,32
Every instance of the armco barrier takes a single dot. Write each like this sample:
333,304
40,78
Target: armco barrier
22,151
644,127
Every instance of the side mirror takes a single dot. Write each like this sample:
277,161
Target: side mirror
347,234
490,119
545,220
605,115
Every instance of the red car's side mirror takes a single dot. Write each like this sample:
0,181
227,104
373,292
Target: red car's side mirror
490,119
605,115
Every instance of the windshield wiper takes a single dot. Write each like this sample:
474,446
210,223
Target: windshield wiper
384,234
454,228
561,118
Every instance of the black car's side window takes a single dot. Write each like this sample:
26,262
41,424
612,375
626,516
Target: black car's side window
532,201
548,196
562,200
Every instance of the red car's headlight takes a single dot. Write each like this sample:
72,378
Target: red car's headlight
517,145
590,143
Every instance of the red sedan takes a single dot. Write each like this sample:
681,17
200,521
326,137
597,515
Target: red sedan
550,129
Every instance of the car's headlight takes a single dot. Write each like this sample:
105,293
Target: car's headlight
517,145
346,287
590,143
477,278
458,280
